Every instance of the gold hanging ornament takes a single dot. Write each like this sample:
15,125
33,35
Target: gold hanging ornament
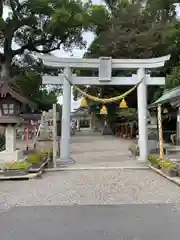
103,110
123,104
83,103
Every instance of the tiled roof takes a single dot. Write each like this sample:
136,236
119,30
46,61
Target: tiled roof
168,96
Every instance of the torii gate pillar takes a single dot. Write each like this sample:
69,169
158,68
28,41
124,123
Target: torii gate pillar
142,115
65,122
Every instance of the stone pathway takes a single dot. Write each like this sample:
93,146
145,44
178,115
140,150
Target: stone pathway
95,150
91,149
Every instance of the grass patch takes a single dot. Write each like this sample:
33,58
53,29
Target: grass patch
17,165
162,163
35,158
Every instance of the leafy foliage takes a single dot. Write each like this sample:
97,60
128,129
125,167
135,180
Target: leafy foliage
173,79
40,26
35,91
138,29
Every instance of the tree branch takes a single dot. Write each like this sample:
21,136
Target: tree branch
1,8
15,7
14,24
47,50
32,46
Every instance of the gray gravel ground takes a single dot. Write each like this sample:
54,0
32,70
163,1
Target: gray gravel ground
89,188
130,205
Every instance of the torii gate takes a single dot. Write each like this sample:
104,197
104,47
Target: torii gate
105,66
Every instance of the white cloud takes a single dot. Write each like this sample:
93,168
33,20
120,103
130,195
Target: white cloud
74,104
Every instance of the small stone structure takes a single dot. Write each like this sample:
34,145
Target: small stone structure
46,127
79,115
11,105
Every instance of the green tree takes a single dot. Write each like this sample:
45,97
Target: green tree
137,29
30,85
40,26
173,79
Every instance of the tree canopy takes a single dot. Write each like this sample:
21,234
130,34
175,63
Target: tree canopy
123,29
138,29
40,26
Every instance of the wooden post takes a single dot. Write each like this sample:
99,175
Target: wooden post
54,136
161,141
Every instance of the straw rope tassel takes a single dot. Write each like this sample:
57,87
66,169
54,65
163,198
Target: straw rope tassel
123,104
103,110
83,103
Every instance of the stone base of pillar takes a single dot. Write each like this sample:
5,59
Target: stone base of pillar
142,161
6,156
65,161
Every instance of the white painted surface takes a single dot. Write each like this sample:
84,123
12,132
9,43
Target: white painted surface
58,80
10,134
7,156
50,60
142,115
65,123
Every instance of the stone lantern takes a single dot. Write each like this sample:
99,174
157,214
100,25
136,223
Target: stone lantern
11,103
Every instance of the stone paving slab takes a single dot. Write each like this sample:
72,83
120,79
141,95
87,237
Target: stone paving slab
101,150
94,149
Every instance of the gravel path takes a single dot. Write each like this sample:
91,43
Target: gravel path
89,188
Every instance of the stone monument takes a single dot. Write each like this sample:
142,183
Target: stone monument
46,128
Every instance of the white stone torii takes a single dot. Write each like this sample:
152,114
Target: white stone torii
105,66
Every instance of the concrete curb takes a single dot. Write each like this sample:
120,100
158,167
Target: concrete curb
33,174
175,180
23,177
94,168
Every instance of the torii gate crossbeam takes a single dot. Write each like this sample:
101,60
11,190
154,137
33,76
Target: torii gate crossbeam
105,66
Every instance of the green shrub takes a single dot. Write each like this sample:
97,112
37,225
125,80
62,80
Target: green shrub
17,165
153,159
50,153
167,164
162,163
35,158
